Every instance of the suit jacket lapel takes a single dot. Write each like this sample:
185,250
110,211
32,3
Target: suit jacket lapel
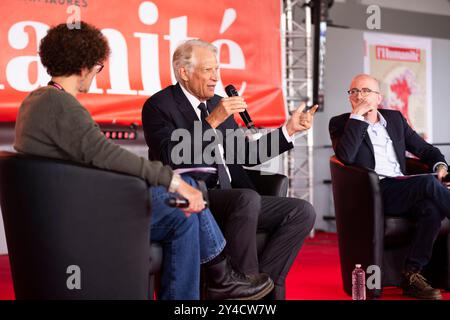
369,144
184,105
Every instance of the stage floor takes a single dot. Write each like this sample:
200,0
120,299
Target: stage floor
314,276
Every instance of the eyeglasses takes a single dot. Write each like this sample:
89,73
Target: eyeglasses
364,92
99,67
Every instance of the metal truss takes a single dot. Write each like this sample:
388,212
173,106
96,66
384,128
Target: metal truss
298,87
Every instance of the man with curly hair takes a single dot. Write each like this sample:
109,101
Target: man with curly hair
52,123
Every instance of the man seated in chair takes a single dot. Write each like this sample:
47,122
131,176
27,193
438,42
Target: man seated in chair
238,208
377,139
52,123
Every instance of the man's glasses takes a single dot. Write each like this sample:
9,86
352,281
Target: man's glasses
364,92
99,67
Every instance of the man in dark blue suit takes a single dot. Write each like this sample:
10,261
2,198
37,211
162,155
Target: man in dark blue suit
192,106
377,139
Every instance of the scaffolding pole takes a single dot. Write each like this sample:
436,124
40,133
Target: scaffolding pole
298,87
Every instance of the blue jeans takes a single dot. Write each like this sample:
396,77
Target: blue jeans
187,242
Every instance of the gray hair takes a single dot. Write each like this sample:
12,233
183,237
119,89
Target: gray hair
183,57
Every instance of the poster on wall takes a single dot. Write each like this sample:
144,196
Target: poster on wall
142,36
402,64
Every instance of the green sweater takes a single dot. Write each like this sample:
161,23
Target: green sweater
52,123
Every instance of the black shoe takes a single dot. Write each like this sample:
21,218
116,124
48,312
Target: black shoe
415,285
223,283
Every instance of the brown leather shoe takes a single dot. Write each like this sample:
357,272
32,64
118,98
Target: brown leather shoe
415,285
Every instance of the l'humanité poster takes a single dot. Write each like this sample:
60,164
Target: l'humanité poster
402,64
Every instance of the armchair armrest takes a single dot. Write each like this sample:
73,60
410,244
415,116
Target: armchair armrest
269,184
415,166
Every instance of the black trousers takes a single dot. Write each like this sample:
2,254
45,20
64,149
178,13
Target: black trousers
241,213
423,199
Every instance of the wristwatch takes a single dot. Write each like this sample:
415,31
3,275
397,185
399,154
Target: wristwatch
175,182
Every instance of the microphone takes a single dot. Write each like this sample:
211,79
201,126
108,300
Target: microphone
179,202
232,92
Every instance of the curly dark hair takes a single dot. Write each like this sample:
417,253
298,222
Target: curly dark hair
65,51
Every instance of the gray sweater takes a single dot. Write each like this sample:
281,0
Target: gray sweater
52,123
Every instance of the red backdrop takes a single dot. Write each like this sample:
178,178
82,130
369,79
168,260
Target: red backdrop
142,36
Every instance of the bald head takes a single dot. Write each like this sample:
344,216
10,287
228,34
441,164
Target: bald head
364,80
365,97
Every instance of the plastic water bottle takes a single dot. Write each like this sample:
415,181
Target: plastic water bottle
358,283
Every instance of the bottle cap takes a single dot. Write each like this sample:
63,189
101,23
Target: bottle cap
358,265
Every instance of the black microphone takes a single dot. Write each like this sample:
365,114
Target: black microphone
232,92
179,202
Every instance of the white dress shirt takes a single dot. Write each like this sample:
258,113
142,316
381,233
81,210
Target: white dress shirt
386,162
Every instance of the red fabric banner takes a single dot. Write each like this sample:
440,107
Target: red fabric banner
143,36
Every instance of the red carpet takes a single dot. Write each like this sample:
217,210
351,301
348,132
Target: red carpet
314,276
6,286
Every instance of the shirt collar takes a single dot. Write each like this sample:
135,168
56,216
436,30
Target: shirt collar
382,120
192,99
